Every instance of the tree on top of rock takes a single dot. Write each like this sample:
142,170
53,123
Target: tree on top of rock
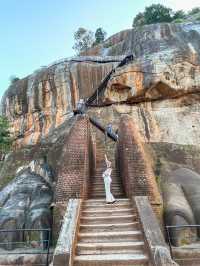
84,39
13,79
180,14
100,35
194,11
155,13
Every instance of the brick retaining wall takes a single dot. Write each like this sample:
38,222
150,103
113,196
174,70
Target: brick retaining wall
76,158
134,166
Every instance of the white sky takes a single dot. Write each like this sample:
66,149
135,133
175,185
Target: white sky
181,4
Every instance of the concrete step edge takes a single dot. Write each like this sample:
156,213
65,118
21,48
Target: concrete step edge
112,258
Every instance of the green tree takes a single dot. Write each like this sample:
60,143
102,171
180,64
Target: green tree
13,79
139,20
156,13
84,39
5,137
100,35
180,14
194,11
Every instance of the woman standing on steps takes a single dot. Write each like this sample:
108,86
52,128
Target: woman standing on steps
107,181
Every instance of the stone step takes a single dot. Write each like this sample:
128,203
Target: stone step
94,201
101,168
109,227
103,191
117,191
112,207
102,187
101,184
109,220
99,179
117,197
123,236
103,205
102,194
115,212
110,248
106,207
111,260
100,171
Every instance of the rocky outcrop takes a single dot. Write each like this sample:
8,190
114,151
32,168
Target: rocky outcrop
159,89
25,204
165,66
38,104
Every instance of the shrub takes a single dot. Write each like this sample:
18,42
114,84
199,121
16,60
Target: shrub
178,20
155,13
5,137
14,79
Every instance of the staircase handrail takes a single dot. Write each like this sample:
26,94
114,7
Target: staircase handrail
99,91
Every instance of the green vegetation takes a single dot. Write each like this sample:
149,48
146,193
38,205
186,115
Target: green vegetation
179,15
5,137
178,20
194,11
85,39
13,79
100,35
157,13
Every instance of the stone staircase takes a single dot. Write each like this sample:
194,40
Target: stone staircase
97,189
109,234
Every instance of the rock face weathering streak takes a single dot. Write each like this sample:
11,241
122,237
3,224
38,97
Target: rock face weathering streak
165,66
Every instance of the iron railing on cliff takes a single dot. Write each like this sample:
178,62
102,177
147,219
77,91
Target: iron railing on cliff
101,88
186,250
26,242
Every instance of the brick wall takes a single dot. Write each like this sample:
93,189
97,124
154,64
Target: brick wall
134,166
76,158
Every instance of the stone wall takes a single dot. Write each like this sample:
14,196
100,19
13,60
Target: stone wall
154,240
134,165
73,175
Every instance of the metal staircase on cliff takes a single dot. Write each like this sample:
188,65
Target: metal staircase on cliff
109,234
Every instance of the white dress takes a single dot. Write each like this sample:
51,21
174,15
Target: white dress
107,182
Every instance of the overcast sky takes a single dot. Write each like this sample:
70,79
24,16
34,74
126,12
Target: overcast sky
35,33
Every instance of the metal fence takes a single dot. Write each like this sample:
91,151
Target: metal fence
184,242
26,242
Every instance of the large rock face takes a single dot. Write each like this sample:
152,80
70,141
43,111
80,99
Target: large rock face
159,89
165,66
36,105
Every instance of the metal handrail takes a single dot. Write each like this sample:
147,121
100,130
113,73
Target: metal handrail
35,250
186,225
104,82
168,227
